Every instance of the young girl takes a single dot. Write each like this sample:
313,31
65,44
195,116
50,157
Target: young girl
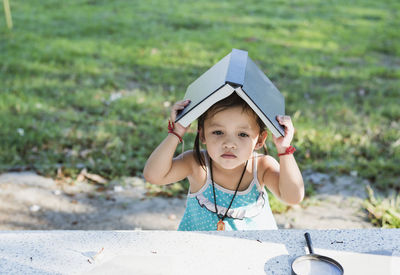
227,179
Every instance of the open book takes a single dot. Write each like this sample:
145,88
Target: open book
236,72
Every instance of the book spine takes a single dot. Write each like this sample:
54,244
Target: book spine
237,68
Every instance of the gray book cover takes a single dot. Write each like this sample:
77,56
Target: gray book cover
238,71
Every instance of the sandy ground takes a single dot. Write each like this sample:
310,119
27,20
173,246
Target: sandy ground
30,202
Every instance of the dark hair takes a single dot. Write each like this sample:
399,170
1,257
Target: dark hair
231,101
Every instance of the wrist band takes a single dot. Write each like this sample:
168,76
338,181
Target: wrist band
290,150
171,127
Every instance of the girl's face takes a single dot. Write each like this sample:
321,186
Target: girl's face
231,136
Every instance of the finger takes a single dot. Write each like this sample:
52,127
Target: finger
177,107
183,102
180,105
284,118
285,121
288,125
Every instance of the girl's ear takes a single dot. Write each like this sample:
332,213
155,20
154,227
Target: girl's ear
261,140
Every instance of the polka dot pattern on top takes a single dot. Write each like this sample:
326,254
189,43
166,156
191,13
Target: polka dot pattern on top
250,209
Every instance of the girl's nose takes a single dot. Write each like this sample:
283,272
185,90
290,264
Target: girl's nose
229,144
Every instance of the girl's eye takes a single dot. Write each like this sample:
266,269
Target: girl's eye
243,135
218,133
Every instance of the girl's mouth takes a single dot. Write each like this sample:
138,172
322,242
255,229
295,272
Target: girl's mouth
228,156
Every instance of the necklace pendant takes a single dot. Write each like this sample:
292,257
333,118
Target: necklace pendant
221,225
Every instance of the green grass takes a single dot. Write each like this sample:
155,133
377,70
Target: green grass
383,212
336,62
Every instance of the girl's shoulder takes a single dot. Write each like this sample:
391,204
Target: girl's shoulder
266,164
265,159
191,159
198,174
191,156
188,155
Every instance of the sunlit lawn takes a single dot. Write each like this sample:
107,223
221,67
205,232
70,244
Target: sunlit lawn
89,83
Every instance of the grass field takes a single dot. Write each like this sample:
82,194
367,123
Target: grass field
90,83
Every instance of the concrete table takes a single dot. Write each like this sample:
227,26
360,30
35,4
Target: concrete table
361,251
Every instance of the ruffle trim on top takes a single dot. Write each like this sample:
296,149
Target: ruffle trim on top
240,213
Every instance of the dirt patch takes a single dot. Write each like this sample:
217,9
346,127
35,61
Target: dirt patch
30,201
337,204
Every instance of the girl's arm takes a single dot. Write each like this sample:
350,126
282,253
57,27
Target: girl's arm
285,179
162,168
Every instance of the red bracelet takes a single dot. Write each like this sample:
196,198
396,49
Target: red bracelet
288,151
171,127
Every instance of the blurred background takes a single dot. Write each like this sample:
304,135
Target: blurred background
86,87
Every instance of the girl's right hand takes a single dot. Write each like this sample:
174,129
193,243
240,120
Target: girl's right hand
180,105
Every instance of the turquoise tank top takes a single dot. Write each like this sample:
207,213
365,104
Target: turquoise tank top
250,209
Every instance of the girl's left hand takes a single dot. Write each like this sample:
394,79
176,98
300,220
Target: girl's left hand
282,143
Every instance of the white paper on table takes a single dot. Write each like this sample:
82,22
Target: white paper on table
363,263
204,254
